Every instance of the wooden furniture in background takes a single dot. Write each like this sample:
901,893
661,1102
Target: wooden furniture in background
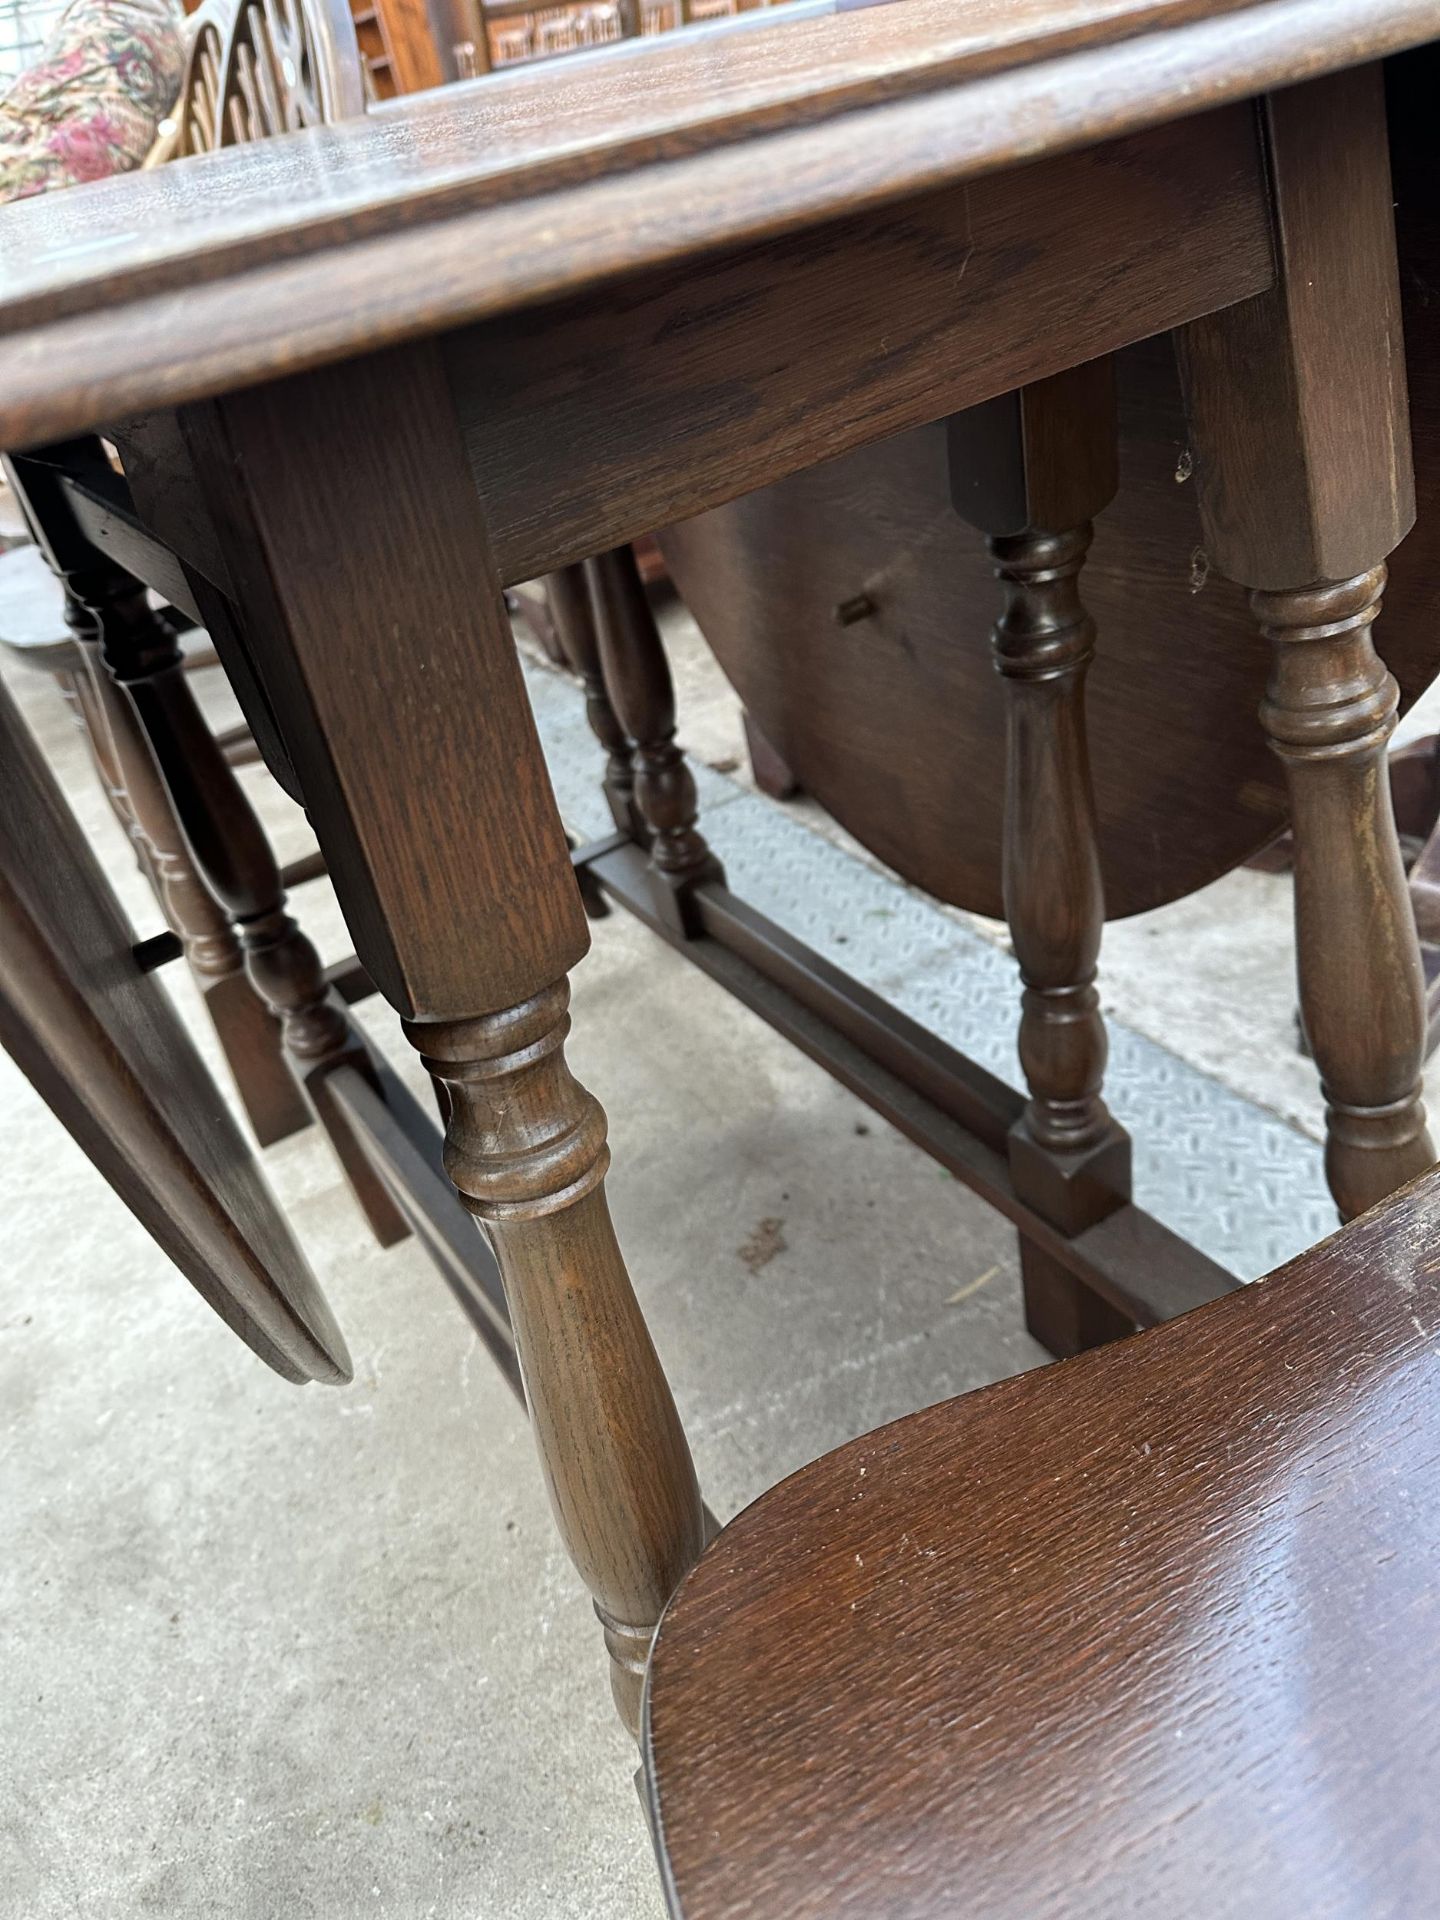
398,46
766,575
257,70
512,32
869,534
444,351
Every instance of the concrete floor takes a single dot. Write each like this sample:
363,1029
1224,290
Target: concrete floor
317,1653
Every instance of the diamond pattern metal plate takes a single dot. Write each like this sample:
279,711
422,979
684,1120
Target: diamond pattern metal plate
1228,1175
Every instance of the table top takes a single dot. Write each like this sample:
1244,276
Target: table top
166,286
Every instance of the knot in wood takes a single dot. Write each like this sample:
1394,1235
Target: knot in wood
524,1138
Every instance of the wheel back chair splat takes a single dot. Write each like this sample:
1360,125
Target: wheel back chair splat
949,208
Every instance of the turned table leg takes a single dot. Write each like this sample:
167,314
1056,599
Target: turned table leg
575,626
637,678
406,721
1030,469
1329,713
246,1024
281,963
97,593
164,745
526,1148
1301,438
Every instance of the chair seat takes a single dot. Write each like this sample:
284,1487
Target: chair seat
1154,1632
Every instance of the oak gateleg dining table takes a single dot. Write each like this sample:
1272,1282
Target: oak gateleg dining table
365,376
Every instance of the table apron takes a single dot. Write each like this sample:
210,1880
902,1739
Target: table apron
593,420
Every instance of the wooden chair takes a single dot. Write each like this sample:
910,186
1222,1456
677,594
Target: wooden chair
1151,1632
256,69
200,113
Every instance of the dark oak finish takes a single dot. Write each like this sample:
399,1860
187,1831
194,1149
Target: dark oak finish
525,1145
100,596
419,358
409,511
405,1148
1312,480
207,850
637,680
772,773
1329,715
453,871
1298,405
1151,1632
1031,470
575,627
958,1113
105,1050
762,359
248,1030
228,846
403,194
1183,792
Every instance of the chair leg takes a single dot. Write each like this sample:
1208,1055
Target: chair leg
1297,410
432,805
1030,469
637,679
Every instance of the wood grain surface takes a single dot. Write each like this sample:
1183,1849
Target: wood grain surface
359,558
760,361
1148,1633
1185,787
1177,676
125,295
1298,407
